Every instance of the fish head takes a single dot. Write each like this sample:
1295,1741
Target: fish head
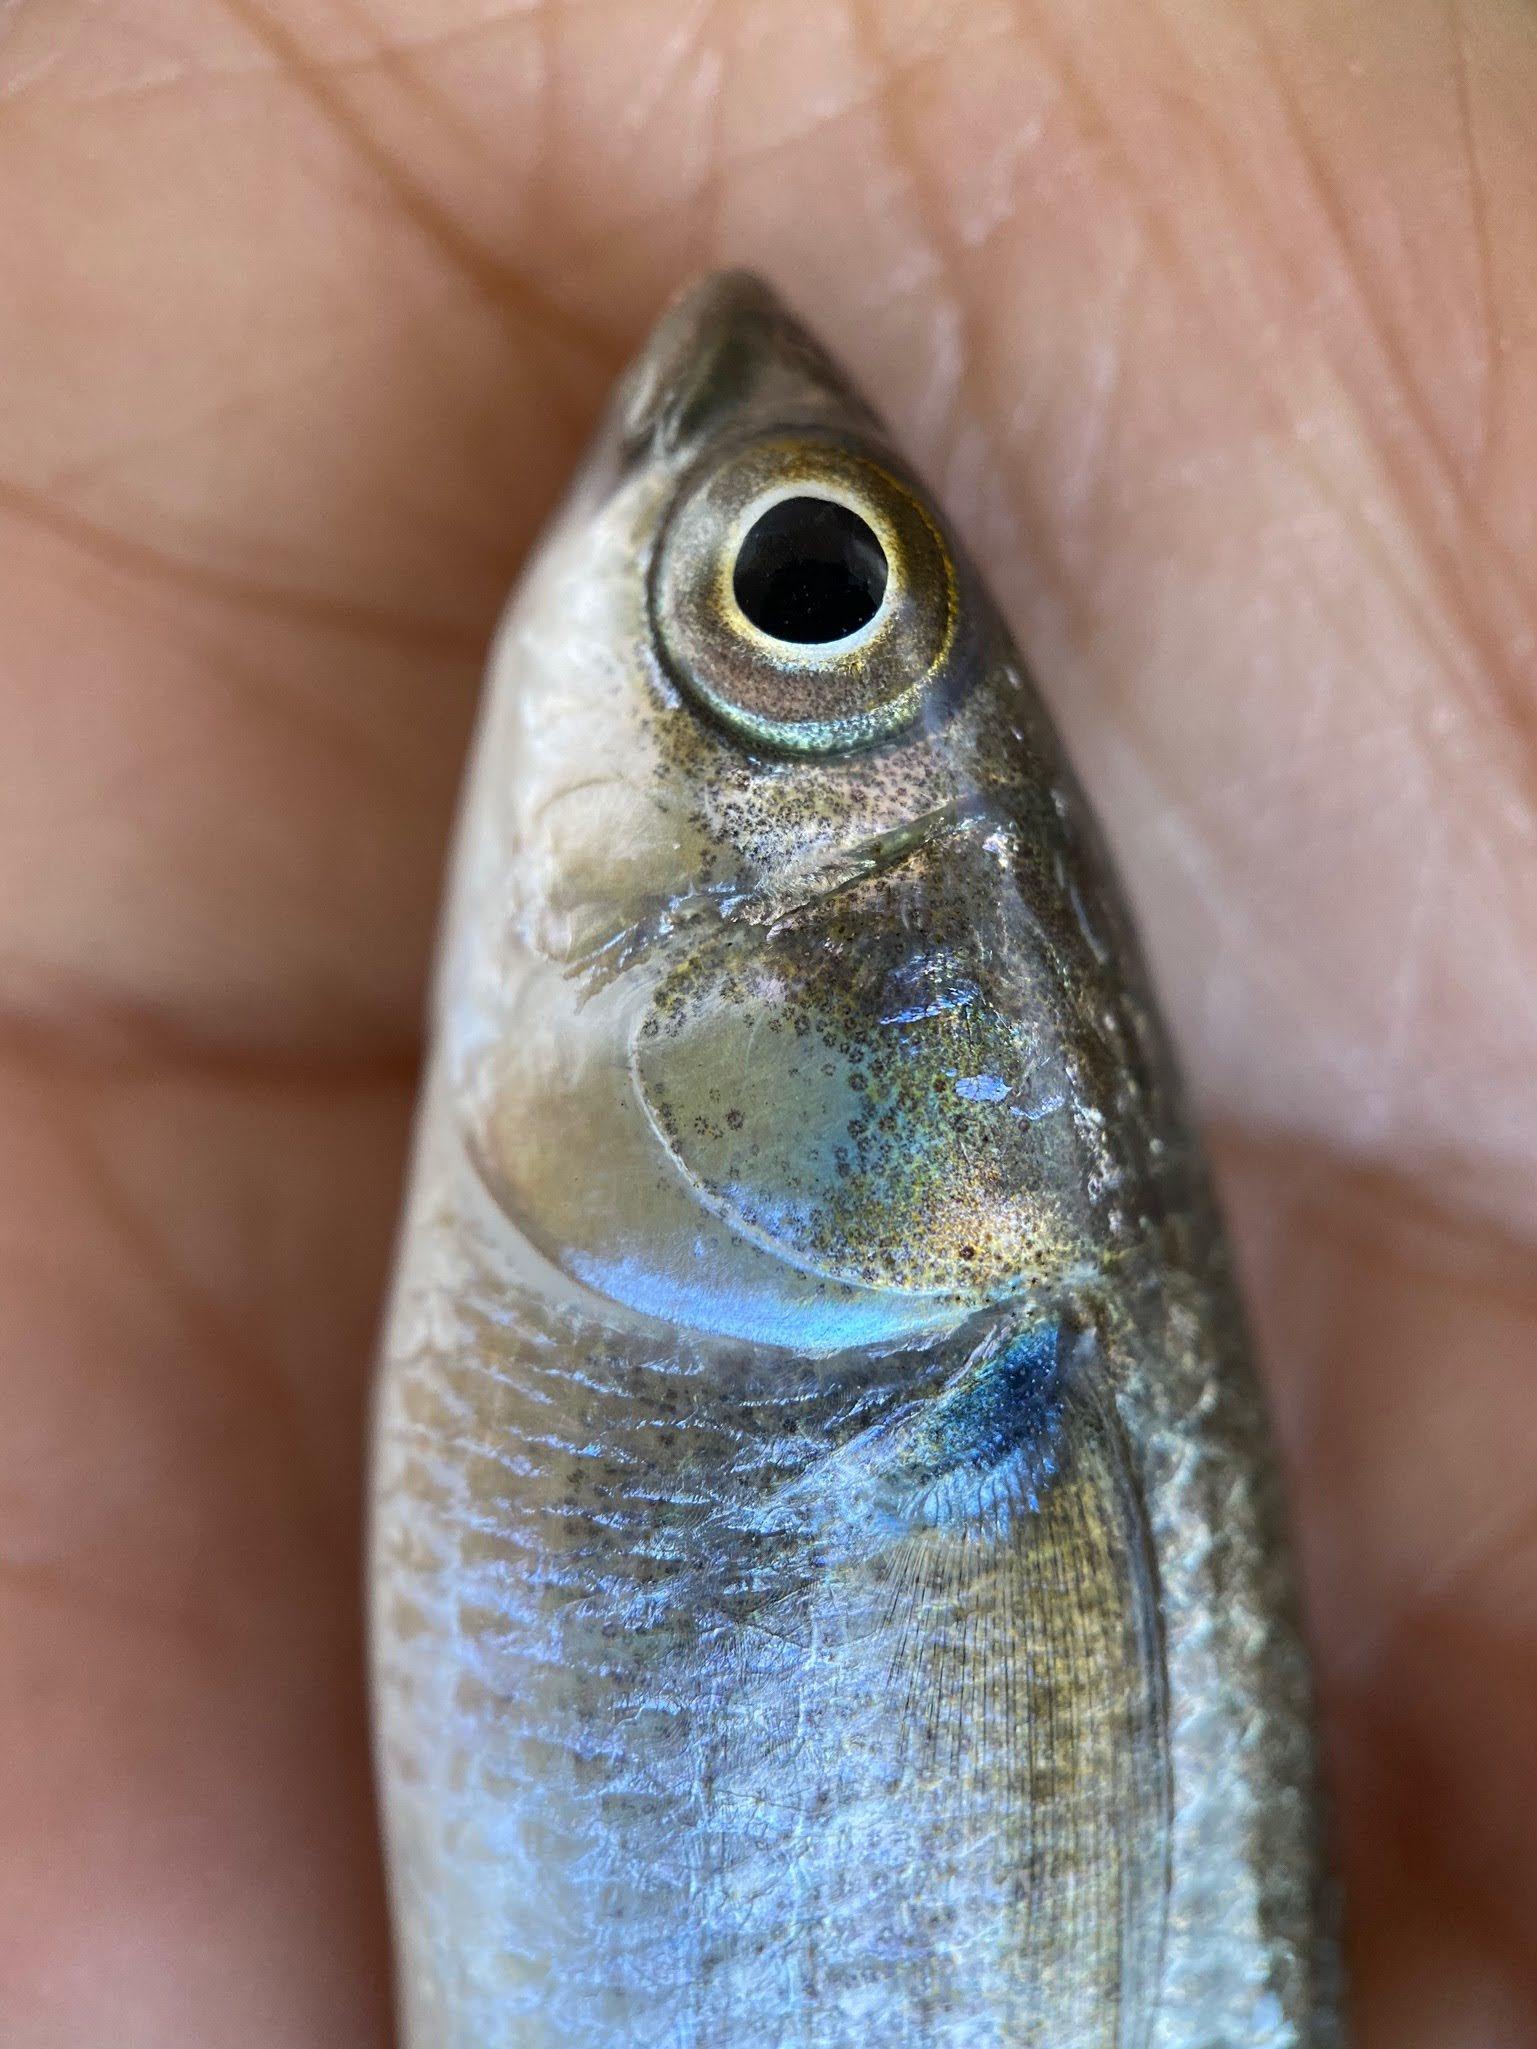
762,993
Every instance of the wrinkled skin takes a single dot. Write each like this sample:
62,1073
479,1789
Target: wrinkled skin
1220,352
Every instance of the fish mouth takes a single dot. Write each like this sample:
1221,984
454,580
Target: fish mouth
762,902
727,348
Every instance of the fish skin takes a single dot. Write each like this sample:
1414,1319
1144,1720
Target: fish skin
827,1574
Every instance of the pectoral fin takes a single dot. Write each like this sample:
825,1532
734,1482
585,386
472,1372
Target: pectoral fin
981,1681
1029,1666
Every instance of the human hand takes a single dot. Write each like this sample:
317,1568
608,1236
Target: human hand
1214,324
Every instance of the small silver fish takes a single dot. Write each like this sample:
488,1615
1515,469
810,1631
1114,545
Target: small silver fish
826,1576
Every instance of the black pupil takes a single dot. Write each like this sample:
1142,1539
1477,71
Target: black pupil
810,570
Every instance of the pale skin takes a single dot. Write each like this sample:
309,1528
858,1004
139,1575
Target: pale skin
1214,323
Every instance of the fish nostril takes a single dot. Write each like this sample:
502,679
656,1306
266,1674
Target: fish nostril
810,570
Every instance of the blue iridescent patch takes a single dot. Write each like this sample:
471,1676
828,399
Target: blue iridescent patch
990,1445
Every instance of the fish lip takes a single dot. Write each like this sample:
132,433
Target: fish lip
768,901
729,350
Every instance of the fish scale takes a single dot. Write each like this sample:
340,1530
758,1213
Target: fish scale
658,1640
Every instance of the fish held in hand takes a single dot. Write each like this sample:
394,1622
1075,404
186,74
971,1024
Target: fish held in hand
826,1574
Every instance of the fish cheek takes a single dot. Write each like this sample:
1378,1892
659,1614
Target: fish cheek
861,1101
563,1143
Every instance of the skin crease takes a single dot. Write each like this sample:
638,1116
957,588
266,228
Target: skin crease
1214,325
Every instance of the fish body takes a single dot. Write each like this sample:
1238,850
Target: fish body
827,1576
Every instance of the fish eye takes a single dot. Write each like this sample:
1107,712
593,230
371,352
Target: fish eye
809,570
802,593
